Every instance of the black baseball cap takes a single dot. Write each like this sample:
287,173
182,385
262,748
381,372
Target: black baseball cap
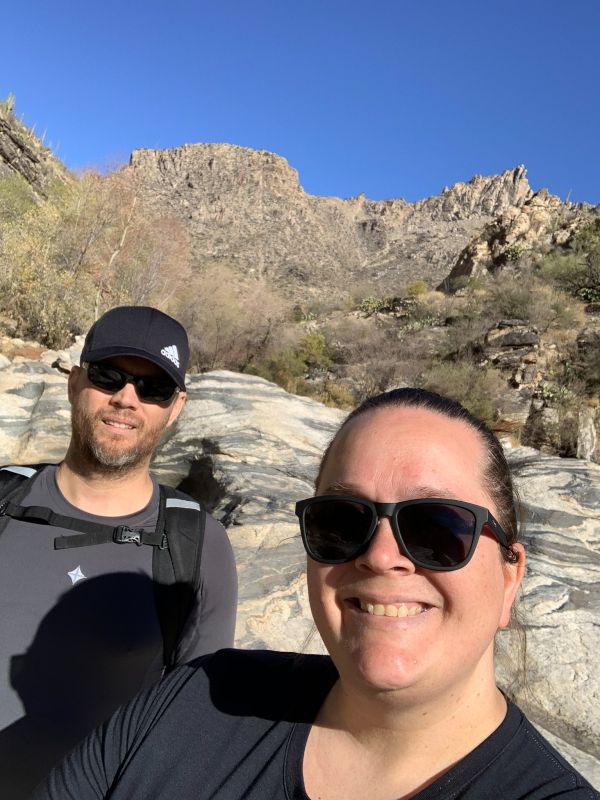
143,332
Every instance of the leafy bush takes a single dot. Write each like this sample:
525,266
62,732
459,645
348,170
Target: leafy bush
514,252
334,394
417,289
372,305
291,367
478,389
284,368
313,352
16,197
555,394
91,245
577,270
511,299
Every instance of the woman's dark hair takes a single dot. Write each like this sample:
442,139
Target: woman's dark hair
496,474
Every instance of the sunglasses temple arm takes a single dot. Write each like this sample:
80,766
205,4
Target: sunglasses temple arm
499,533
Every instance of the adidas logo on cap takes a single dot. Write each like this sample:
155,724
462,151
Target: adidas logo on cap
171,353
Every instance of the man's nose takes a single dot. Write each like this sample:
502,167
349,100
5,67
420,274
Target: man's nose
126,397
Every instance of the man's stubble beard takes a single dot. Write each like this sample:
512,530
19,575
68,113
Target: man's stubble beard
111,457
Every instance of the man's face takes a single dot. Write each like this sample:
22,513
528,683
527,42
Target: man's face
118,430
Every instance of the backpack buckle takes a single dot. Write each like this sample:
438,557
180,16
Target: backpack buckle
125,535
3,508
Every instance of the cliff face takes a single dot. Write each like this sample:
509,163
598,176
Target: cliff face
246,208
22,152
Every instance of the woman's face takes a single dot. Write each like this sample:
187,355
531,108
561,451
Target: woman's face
443,637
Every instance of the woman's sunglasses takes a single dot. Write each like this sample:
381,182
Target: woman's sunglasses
433,533
150,388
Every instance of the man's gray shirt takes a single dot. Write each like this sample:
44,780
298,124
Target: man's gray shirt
79,632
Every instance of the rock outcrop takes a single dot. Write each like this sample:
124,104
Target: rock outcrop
246,208
540,223
249,450
23,153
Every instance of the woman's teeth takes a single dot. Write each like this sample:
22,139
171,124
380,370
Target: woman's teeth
400,610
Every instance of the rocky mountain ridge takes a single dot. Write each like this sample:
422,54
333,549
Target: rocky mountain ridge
246,208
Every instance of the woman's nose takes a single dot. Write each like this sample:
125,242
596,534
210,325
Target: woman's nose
384,552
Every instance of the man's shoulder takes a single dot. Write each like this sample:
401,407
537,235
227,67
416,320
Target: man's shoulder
23,471
263,682
176,499
13,476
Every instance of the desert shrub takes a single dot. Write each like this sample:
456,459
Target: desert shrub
231,323
425,311
466,333
372,305
417,289
470,282
16,197
48,301
589,365
551,307
511,299
286,368
527,297
366,353
514,252
478,389
336,394
313,351
89,246
298,367
579,372
576,269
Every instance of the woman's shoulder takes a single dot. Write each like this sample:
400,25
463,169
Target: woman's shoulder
516,762
535,757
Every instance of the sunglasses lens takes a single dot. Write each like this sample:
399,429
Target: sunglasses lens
437,535
108,378
152,389
336,530
155,390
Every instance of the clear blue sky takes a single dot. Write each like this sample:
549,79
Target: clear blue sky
393,98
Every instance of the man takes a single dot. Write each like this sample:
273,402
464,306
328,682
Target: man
98,564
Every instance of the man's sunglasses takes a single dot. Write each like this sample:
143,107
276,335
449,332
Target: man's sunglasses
150,388
433,533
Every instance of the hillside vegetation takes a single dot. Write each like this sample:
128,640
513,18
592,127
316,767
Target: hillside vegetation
512,331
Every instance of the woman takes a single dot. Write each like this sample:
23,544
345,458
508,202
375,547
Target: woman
413,566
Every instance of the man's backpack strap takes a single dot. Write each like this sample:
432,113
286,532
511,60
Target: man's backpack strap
177,546
18,469
14,483
176,568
